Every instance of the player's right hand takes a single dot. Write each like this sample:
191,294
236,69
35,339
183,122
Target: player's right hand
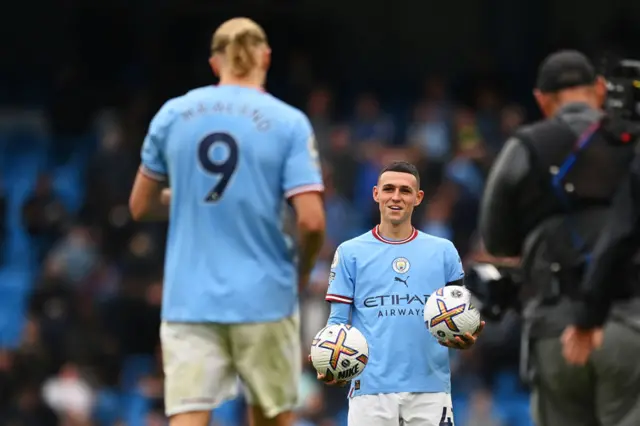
334,382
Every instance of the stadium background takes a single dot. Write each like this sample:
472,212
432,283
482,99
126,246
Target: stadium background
439,83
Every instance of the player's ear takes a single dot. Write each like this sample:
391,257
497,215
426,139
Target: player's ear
419,197
544,101
266,58
375,193
214,62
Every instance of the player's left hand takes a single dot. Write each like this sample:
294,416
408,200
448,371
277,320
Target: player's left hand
466,341
577,344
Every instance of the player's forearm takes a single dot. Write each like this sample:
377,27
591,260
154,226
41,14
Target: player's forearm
340,313
153,209
309,243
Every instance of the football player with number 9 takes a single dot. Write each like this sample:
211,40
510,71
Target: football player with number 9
231,154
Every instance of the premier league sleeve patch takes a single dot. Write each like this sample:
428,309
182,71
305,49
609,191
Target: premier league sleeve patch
336,260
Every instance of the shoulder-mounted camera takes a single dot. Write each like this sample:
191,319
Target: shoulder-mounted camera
623,99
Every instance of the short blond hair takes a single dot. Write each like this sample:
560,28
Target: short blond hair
238,39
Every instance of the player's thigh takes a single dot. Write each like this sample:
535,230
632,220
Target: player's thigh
198,370
427,409
374,410
563,394
618,376
268,358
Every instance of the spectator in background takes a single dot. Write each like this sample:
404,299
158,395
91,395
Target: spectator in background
343,160
75,256
429,133
343,221
436,93
429,137
511,118
69,395
319,110
488,118
437,221
467,167
44,215
371,124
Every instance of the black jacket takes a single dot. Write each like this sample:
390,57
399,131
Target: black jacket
615,257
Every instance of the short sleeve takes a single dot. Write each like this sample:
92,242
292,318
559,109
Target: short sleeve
154,164
302,166
453,263
341,279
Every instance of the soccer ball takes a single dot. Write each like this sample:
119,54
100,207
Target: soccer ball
449,313
340,352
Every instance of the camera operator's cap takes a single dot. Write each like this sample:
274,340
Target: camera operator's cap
563,70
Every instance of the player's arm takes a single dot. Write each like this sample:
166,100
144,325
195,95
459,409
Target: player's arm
150,198
340,313
498,222
303,187
341,287
455,276
340,294
310,222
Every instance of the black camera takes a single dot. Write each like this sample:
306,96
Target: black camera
494,289
623,98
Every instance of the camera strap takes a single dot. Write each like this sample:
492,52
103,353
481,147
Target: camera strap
560,189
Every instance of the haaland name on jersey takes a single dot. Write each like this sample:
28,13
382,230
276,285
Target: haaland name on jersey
261,122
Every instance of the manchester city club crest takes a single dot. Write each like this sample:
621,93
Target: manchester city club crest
401,265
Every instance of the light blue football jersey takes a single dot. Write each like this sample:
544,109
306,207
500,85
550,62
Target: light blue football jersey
232,155
387,284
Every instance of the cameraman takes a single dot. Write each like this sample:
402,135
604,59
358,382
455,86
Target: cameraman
547,198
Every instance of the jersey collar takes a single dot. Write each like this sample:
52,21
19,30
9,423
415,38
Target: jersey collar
376,233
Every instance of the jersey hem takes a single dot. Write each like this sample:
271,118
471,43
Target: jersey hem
182,320
302,189
151,174
360,392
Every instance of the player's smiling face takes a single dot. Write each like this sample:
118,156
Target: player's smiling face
397,194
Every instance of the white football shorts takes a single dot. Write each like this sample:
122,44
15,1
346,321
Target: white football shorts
404,408
202,362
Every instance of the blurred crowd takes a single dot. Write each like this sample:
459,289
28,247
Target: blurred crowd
80,343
